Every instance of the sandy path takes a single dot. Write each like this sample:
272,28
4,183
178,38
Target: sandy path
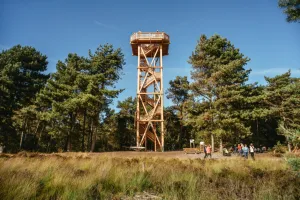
169,154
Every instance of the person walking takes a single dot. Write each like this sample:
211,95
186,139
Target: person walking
245,151
252,151
208,151
241,152
205,152
239,148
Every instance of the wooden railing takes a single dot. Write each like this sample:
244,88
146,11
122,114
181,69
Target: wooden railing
149,35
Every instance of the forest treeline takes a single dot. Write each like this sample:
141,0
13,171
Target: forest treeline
71,109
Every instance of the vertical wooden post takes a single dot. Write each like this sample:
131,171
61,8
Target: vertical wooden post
162,100
146,143
212,143
155,142
138,100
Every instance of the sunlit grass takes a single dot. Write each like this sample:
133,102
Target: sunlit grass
85,176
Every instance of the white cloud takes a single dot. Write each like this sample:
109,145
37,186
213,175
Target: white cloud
105,25
275,71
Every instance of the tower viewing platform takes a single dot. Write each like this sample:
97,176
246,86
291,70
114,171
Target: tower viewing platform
154,38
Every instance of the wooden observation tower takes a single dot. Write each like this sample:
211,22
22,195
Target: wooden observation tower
150,47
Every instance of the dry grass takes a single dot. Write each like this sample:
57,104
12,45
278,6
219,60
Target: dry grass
100,176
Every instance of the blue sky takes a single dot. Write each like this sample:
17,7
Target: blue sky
59,27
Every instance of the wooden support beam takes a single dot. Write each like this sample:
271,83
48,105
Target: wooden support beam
154,56
138,106
156,67
151,93
151,120
162,101
145,55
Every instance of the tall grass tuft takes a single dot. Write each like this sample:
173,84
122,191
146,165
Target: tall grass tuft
85,176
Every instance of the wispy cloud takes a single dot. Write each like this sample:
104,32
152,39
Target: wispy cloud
275,71
106,26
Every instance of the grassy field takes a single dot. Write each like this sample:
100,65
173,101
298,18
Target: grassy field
107,176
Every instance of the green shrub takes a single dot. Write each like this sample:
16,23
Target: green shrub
280,148
277,155
294,163
292,155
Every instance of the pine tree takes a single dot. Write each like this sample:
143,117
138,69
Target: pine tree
78,95
283,99
219,80
178,92
172,130
21,77
126,132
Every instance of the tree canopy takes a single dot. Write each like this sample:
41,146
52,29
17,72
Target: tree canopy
283,100
71,109
291,9
22,75
218,88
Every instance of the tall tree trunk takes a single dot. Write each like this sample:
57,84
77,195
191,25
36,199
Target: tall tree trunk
83,132
37,127
48,144
69,143
94,141
212,143
94,138
212,123
22,134
74,115
5,135
36,135
21,139
289,147
91,136
88,135
221,145
181,127
70,132
40,135
257,126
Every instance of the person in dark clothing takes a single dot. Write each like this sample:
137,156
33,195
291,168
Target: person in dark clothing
205,152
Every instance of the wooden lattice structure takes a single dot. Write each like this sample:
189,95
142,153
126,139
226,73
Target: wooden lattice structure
150,48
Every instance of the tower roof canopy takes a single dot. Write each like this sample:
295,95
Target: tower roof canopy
149,38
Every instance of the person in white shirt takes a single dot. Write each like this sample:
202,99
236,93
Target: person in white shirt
251,148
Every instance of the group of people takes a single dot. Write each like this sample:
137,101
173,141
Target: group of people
244,151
